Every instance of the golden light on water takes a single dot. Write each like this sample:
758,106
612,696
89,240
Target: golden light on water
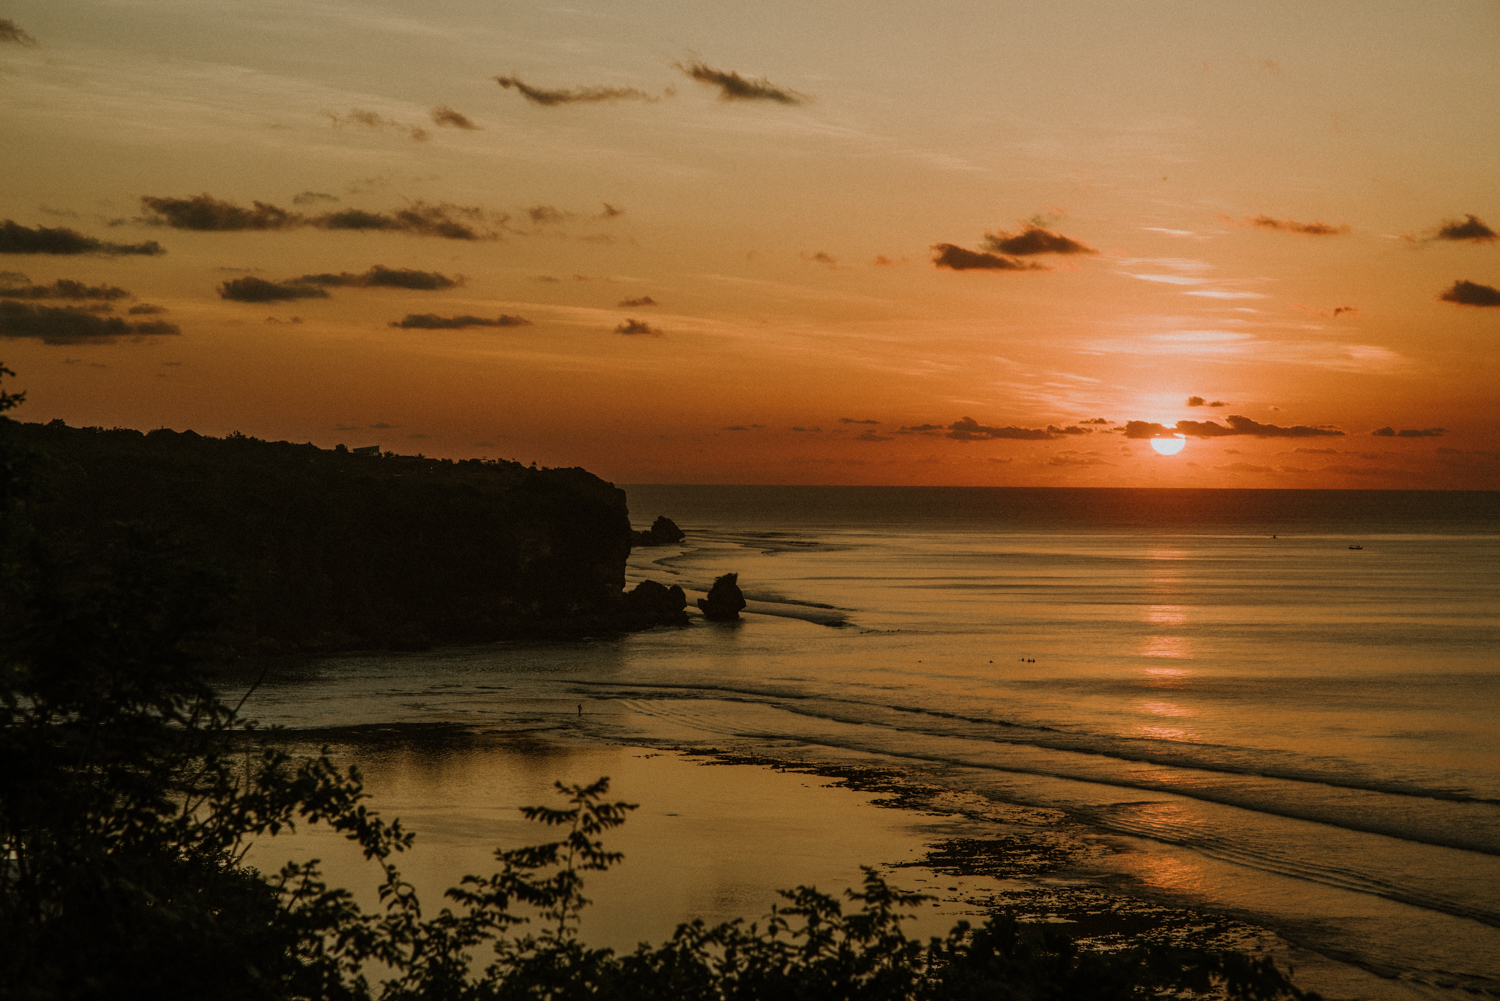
1168,446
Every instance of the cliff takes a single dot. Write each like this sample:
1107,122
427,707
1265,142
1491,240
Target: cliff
327,550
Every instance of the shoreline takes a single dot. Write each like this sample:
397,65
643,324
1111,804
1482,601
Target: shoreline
977,854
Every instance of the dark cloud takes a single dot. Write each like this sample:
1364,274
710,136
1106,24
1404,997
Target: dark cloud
882,261
542,215
446,116
871,436
637,327
1292,226
1472,294
851,420
925,428
18,239
1409,433
420,218
252,289
958,259
10,31
380,276
822,257
577,95
1034,240
370,120
206,213
1341,310
610,211
968,429
145,309
428,321
1470,230
644,300
63,288
1069,457
1070,429
1094,420
313,198
1236,425
70,325
733,87
1198,401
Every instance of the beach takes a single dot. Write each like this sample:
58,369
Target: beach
1191,718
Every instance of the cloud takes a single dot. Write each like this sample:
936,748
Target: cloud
545,214
1470,230
871,436
1236,426
1292,226
1340,310
1034,240
380,276
644,300
610,211
313,198
1070,429
18,239
733,87
1387,432
1095,420
968,429
10,31
71,325
958,259
851,420
446,116
428,321
205,213
924,428
252,289
1244,467
821,257
1070,457
145,309
882,261
1472,294
631,327
577,95
1198,401
419,218
370,120
63,288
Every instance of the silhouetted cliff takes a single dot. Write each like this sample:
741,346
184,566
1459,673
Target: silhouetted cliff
328,550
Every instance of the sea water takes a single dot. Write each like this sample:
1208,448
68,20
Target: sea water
1281,704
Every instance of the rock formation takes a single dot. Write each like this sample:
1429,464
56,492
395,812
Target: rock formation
651,604
724,600
663,532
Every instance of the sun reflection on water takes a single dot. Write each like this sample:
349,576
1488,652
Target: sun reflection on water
1167,646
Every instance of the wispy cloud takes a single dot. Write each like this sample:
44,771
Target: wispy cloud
380,276
371,120
10,31
1292,226
575,95
18,239
733,87
637,327
205,213
448,118
955,258
430,321
1233,426
644,300
252,289
1470,230
968,429
63,288
1198,401
1389,432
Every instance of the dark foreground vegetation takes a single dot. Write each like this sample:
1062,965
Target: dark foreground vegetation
130,793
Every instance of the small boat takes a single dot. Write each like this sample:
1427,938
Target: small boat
1356,547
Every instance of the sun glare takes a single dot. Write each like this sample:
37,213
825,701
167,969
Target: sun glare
1168,446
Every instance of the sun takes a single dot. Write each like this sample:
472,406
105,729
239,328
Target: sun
1168,446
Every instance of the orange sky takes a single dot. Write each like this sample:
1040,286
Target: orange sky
1259,205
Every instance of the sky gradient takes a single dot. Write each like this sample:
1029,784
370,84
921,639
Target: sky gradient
967,244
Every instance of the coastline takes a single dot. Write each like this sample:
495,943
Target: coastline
721,828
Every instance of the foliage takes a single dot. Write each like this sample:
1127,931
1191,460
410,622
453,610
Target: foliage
131,792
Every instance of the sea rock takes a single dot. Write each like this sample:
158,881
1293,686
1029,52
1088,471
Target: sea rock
663,532
724,600
651,604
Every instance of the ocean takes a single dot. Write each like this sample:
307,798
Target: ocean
1282,706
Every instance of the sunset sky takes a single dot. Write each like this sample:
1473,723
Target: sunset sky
995,243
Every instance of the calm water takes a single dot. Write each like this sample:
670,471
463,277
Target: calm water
1283,727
